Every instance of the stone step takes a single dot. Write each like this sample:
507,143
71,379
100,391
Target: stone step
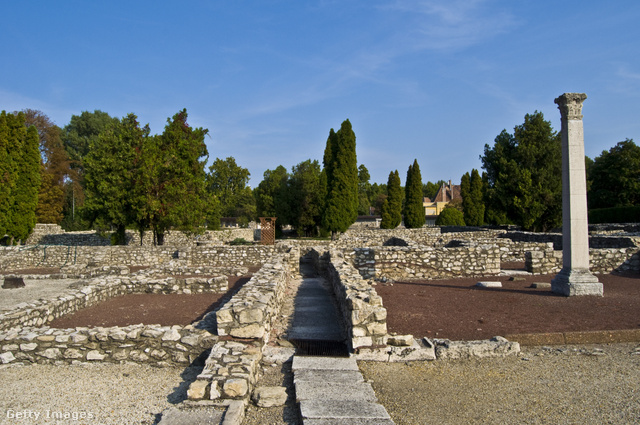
175,416
325,391
324,363
348,421
328,376
341,409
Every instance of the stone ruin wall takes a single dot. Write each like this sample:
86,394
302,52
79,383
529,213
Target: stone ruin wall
40,312
622,260
430,254
53,234
243,325
415,262
73,257
363,315
25,336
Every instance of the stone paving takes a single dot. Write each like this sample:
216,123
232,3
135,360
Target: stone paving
332,390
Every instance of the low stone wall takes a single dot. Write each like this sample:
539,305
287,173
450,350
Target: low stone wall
623,260
363,315
53,234
249,313
161,345
426,236
417,262
250,255
20,257
38,313
231,370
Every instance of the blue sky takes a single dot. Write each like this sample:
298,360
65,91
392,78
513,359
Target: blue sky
432,80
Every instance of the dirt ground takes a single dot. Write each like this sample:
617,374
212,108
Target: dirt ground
148,309
453,308
456,309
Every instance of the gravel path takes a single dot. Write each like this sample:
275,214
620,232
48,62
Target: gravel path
94,393
596,384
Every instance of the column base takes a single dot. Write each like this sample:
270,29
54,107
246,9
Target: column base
576,282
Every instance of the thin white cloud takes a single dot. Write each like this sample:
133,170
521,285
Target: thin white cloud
443,24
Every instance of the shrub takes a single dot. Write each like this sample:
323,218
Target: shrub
450,217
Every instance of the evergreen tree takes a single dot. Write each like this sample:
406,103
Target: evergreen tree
54,170
614,177
304,198
341,168
471,190
266,194
23,178
183,200
465,193
392,206
363,190
7,174
77,137
524,171
414,216
110,167
229,183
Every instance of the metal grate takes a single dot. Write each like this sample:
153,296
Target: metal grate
315,347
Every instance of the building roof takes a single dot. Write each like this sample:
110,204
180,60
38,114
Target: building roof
448,192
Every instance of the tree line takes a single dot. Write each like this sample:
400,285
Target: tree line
522,179
111,174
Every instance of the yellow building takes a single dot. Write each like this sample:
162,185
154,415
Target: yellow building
433,208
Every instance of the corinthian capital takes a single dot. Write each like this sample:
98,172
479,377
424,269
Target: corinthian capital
570,105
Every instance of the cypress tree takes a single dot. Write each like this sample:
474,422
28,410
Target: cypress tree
413,207
467,201
476,193
6,175
341,166
24,159
392,206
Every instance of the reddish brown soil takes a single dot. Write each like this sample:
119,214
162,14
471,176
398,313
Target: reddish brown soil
149,309
458,310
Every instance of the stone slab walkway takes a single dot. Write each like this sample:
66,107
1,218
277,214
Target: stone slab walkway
331,390
315,317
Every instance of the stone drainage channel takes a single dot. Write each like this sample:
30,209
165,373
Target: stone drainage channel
329,387
328,384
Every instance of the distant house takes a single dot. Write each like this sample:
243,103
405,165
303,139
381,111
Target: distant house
433,208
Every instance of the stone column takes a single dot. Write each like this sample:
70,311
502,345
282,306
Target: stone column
575,277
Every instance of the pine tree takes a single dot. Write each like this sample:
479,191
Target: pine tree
341,167
110,168
180,182
524,171
392,206
414,216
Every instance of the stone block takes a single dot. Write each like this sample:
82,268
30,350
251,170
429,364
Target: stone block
251,331
7,357
489,284
72,353
198,390
400,340
50,353
235,387
269,396
28,347
95,355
